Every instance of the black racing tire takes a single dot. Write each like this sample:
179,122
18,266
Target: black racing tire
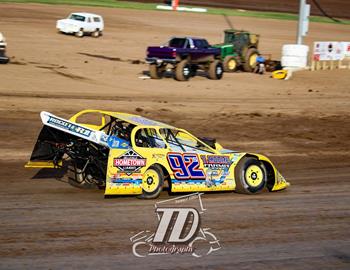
77,178
183,71
250,60
155,71
216,70
250,176
152,182
230,64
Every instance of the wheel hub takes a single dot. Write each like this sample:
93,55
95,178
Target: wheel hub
232,64
218,70
254,175
150,181
252,59
186,71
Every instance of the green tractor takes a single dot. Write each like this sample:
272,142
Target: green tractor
239,50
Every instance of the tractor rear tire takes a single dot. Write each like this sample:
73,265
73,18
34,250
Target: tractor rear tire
183,71
250,60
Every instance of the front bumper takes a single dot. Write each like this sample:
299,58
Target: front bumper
68,29
280,182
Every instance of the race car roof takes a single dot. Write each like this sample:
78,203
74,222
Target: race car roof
137,120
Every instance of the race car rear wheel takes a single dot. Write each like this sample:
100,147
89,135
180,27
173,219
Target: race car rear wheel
250,176
216,70
152,182
77,176
183,71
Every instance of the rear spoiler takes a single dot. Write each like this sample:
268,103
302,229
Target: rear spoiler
96,136
57,133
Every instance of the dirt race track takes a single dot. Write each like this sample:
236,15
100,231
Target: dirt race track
302,125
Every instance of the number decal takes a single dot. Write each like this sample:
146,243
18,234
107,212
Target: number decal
185,166
178,165
192,163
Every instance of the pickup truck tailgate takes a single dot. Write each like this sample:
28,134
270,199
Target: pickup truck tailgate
161,52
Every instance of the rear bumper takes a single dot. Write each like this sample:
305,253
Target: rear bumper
154,60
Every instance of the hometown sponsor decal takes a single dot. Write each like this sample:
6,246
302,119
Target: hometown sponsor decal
129,162
180,230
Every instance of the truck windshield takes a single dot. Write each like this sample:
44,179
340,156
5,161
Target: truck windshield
177,42
77,17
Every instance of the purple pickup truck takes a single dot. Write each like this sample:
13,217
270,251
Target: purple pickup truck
185,56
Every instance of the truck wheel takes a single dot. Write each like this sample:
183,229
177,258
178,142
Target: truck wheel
152,182
250,176
183,71
80,33
250,60
230,64
96,33
216,70
156,72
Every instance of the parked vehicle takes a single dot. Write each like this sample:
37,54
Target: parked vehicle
239,50
3,58
81,23
185,55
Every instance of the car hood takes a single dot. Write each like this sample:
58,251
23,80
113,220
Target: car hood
68,22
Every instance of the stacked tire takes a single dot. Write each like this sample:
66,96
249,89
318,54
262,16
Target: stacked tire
294,55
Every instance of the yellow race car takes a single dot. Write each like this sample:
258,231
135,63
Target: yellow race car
127,154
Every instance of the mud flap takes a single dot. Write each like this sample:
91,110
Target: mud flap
46,153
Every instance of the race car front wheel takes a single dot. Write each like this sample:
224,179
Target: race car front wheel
250,176
152,182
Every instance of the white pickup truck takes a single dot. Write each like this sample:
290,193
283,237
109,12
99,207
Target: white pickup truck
3,58
81,23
